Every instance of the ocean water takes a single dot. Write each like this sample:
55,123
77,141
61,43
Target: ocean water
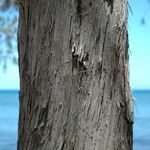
141,120
9,120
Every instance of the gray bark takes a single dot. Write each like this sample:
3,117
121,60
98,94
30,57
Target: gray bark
74,85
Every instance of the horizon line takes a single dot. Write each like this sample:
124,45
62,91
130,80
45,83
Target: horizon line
17,90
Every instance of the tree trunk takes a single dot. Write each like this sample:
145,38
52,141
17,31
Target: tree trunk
74,85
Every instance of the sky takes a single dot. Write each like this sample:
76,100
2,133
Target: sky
139,51
139,41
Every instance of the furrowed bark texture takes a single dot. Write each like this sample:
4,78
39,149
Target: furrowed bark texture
73,57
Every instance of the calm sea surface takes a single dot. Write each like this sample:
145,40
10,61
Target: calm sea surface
9,120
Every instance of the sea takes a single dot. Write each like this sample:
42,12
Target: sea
9,109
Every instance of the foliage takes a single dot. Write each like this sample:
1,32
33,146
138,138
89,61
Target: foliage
7,3
8,31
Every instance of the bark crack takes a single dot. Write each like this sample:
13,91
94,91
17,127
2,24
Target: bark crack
79,11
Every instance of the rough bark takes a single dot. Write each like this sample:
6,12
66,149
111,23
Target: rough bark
74,86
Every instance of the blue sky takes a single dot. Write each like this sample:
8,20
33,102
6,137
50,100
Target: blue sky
139,40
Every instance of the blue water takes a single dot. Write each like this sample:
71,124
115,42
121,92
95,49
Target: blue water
142,120
9,120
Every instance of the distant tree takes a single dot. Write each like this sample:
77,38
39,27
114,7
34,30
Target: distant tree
74,85
7,3
8,31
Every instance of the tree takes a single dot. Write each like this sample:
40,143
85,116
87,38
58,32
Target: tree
74,85
8,31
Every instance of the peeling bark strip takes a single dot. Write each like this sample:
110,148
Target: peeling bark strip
110,3
73,61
